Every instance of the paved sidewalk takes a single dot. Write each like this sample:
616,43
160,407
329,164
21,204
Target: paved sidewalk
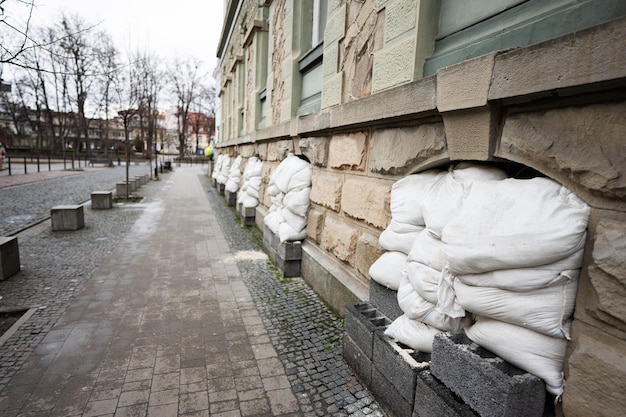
171,324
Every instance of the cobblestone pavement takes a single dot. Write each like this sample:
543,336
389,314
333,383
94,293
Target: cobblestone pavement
26,199
58,278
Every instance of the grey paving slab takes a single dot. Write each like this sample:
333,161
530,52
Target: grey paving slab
169,307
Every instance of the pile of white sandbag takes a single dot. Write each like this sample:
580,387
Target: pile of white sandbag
224,168
249,193
431,200
503,252
289,189
234,175
217,167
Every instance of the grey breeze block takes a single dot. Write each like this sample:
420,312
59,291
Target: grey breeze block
230,197
385,300
9,257
434,399
361,321
68,217
388,397
101,200
356,359
487,383
399,364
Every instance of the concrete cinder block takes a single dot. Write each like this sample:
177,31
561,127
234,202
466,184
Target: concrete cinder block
248,211
361,321
289,269
434,399
9,257
221,188
399,364
68,217
487,383
230,197
290,251
268,236
101,200
388,397
385,300
357,360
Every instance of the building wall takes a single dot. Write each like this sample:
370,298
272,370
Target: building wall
556,106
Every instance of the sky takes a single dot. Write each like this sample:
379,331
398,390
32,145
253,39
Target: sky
169,29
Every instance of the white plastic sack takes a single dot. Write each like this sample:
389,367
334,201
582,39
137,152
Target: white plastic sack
399,236
298,201
407,196
222,176
294,220
387,270
545,310
292,173
234,174
424,279
428,249
514,224
417,308
286,233
218,166
250,202
272,220
414,334
530,351
444,198
528,279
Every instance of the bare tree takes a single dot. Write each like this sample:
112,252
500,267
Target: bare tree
107,57
14,34
184,79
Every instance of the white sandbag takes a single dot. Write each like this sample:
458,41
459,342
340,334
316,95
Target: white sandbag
222,176
414,334
407,195
218,166
286,233
417,308
250,202
544,310
272,220
444,198
514,224
272,189
387,270
528,279
251,192
298,201
301,179
290,167
296,221
428,249
424,279
530,351
255,183
234,174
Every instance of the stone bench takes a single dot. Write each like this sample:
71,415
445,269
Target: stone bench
107,162
101,200
69,217
9,257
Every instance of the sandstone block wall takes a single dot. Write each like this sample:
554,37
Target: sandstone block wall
555,109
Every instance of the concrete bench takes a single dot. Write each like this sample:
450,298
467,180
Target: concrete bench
9,257
69,217
101,200
107,162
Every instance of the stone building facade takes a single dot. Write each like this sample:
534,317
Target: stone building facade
373,90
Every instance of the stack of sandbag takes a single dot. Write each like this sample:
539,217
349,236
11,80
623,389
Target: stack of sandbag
289,189
435,198
234,175
222,175
217,167
406,223
249,193
513,254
